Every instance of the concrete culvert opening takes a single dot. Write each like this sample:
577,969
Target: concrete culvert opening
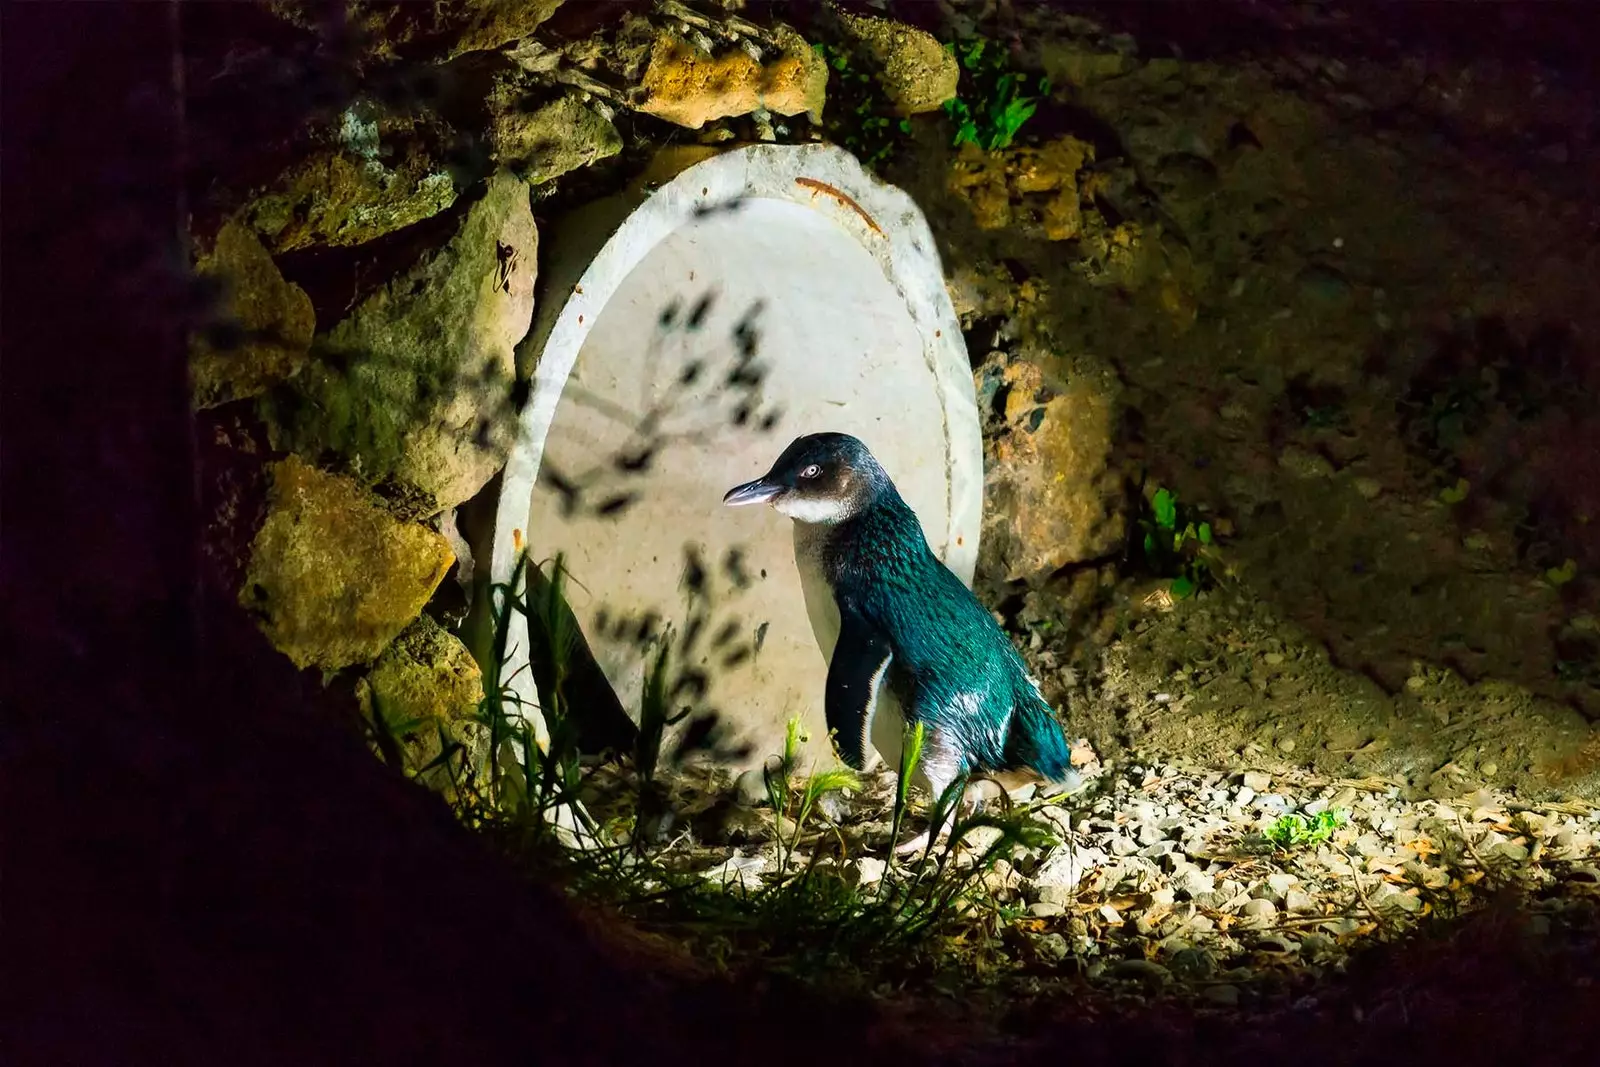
832,279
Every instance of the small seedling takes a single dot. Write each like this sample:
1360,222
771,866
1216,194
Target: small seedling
1293,830
1455,494
1560,576
863,120
995,100
1177,545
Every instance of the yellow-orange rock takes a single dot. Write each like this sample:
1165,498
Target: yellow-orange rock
333,578
688,87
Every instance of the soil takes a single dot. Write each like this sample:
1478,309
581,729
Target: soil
1355,334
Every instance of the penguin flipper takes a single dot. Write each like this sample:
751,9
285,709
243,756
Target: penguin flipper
861,657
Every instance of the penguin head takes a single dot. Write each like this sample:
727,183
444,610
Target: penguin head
822,478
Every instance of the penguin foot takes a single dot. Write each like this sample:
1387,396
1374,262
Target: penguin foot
916,844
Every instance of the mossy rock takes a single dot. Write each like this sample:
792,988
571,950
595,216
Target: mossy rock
916,73
333,578
426,688
412,392
261,327
690,88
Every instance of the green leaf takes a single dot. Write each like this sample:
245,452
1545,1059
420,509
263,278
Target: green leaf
1455,494
1183,586
1559,576
1204,532
1165,505
1149,544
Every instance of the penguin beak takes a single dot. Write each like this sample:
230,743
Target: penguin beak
759,491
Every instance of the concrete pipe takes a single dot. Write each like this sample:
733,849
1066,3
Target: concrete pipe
840,275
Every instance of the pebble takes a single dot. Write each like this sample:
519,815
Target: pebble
1225,995
1193,963
1255,782
1280,882
1260,908
1052,948
1286,745
1278,945
1143,970
1299,901
1191,881
750,789
1046,909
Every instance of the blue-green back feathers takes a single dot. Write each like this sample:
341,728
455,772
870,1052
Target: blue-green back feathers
953,666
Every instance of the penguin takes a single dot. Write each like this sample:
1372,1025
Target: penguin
904,625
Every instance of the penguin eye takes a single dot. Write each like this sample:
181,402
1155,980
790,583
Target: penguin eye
811,471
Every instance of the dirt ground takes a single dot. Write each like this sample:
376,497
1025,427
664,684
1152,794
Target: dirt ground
1352,324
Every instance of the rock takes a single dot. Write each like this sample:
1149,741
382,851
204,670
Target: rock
425,674
688,87
1051,491
750,788
914,70
332,577
871,869
412,391
1070,63
1046,909
1052,948
1260,908
980,839
1280,883
426,683
1299,901
1256,781
1192,882
1390,896
1034,189
383,174
1141,970
738,870
1225,995
558,138
1193,963
386,30
1303,463
261,331
1066,866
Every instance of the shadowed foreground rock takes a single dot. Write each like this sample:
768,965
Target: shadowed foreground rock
201,868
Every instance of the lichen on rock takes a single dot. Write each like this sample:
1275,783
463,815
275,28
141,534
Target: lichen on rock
689,87
916,73
375,173
1053,494
426,687
544,143
1036,189
385,29
261,329
333,578
412,392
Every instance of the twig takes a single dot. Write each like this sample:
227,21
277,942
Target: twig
1355,879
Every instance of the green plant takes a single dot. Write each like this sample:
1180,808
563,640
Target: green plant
994,101
1293,830
862,119
1177,544
923,920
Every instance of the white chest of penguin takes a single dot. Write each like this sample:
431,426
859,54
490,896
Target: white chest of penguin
888,720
